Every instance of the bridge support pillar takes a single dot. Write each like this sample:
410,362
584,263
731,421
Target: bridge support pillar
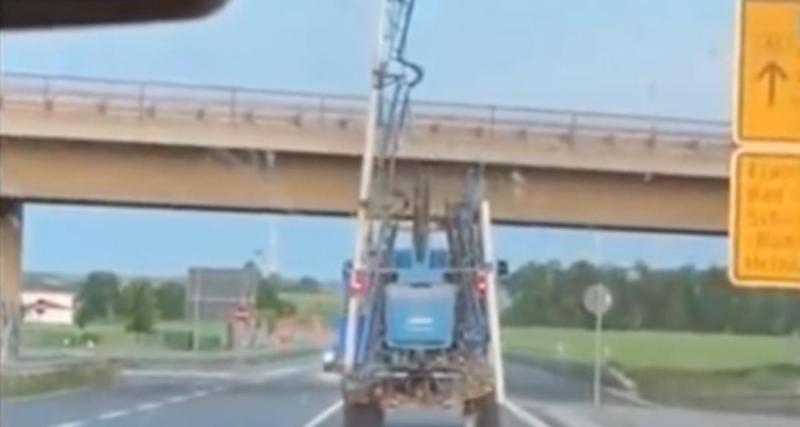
10,277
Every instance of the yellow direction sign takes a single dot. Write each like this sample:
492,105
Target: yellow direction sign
768,83
765,218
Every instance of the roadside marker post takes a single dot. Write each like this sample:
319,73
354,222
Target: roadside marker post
764,223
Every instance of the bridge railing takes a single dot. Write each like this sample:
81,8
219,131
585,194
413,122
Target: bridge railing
146,100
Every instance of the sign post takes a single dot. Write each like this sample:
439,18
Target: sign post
765,170
598,300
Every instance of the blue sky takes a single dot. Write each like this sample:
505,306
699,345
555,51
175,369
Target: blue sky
667,57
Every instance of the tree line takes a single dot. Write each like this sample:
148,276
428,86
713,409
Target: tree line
102,297
679,299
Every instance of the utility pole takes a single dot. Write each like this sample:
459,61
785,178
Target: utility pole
4,336
195,317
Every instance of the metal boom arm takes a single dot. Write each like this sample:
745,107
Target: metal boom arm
393,78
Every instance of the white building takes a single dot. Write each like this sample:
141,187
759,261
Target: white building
48,304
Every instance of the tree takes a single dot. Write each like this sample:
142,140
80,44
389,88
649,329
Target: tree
171,300
82,316
126,301
143,310
99,297
683,299
267,298
308,284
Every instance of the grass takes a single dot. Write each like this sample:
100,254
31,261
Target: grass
112,336
715,371
670,350
326,304
70,377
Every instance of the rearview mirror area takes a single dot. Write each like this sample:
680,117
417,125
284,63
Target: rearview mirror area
31,14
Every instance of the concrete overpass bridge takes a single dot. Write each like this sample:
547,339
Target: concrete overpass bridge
151,144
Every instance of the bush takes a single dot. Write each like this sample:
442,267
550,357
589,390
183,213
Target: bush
98,374
209,342
177,340
86,337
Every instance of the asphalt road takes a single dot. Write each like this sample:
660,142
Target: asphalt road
297,394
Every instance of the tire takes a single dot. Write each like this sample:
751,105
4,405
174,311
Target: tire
363,415
487,412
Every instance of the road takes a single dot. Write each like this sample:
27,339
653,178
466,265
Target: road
297,394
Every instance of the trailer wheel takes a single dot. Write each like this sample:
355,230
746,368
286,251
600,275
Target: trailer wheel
487,412
363,415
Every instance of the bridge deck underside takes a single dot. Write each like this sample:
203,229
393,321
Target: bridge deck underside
62,171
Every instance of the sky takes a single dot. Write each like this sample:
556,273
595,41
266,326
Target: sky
666,57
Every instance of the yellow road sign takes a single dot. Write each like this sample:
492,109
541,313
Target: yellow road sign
765,218
768,77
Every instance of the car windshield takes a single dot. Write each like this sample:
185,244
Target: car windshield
400,213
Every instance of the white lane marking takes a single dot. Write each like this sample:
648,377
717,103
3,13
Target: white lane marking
71,424
562,414
259,377
631,398
149,406
177,399
178,374
523,415
324,415
279,373
199,393
569,416
112,415
327,377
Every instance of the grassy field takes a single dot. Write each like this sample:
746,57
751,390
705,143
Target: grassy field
326,304
669,350
112,336
86,374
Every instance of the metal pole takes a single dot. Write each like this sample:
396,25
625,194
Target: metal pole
367,166
4,329
196,318
492,309
598,344
598,331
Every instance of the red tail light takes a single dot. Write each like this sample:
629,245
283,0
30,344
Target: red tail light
358,281
482,281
